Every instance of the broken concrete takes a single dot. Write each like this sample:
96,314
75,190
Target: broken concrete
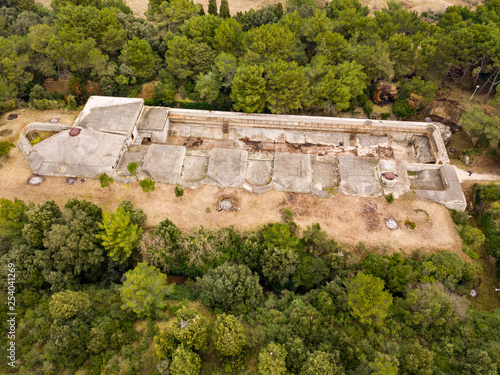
292,172
163,163
227,167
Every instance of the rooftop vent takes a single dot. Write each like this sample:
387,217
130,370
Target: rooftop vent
389,176
74,132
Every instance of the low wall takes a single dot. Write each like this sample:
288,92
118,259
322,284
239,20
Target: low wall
25,145
310,123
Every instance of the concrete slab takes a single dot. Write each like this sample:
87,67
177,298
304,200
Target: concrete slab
194,168
163,163
427,179
227,168
153,119
423,150
325,179
452,197
88,154
127,158
292,172
262,135
110,114
374,141
358,176
403,182
259,172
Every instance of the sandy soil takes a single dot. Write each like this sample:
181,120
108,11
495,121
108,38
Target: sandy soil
235,6
348,219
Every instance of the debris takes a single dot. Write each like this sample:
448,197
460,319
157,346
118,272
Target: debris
391,223
70,180
35,180
12,116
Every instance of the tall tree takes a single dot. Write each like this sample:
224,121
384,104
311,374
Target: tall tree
191,329
119,236
141,58
229,335
286,86
228,36
12,217
224,9
185,362
367,298
272,360
144,290
249,89
212,7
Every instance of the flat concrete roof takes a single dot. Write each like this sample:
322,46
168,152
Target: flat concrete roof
110,114
292,172
358,176
153,118
163,163
88,154
227,167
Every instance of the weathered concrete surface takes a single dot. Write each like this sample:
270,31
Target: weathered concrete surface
427,179
194,169
130,157
452,197
358,176
110,114
292,172
402,185
153,118
89,154
423,150
163,163
227,167
325,178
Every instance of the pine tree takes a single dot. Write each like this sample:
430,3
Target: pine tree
119,237
212,7
224,9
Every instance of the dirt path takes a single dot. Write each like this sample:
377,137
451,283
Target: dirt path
464,176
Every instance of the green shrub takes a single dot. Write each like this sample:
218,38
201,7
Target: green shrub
401,108
286,215
389,198
385,115
45,104
368,107
179,191
410,224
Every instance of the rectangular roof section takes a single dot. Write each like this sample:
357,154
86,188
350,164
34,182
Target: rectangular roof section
153,118
110,114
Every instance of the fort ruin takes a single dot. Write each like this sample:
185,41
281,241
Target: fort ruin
323,156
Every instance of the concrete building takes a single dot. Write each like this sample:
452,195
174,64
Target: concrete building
324,156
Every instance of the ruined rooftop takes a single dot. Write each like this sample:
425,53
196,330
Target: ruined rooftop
324,156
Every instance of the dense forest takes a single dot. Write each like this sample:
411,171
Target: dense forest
279,59
91,297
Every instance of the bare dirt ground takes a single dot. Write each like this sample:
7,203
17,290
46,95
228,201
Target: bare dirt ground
235,6
348,219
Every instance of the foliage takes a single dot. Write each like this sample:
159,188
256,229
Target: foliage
144,290
12,217
119,236
5,147
66,305
272,360
133,168
185,362
137,216
230,288
322,363
402,109
179,191
190,329
389,198
278,264
147,185
482,125
248,90
105,180
229,335
367,298
224,9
